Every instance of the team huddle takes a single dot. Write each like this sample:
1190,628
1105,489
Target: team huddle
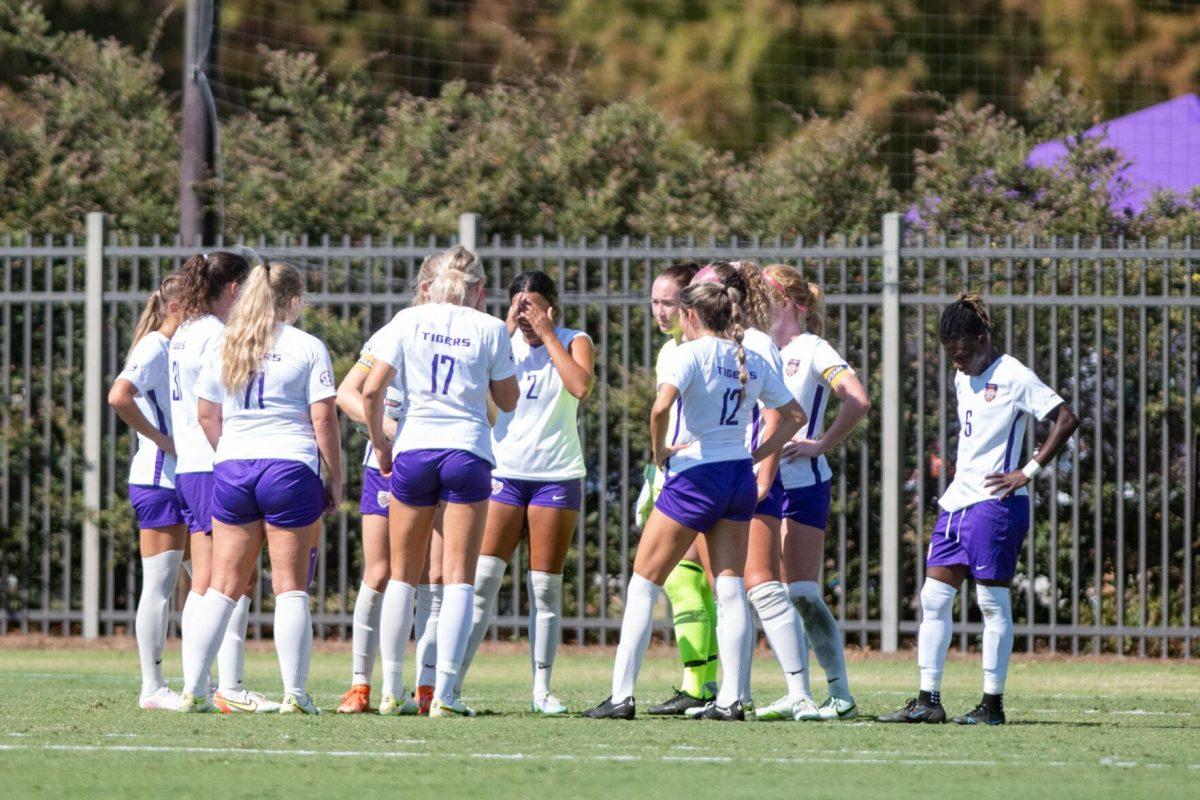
473,446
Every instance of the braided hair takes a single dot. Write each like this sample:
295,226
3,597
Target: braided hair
718,305
965,318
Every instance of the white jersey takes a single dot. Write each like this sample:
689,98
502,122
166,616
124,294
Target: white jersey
448,355
811,367
191,347
540,440
393,401
991,426
715,412
149,371
270,417
664,356
755,341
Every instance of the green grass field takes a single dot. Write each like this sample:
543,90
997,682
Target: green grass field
69,727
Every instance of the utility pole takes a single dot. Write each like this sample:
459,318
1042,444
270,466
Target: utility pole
197,226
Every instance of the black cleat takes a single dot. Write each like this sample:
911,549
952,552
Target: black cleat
677,705
732,713
626,709
982,714
916,710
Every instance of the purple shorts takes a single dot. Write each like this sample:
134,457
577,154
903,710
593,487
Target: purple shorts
375,497
704,494
195,493
808,505
423,477
155,506
985,537
772,504
567,495
283,493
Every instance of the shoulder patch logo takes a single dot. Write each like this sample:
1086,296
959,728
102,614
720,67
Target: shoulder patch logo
989,392
326,378
793,366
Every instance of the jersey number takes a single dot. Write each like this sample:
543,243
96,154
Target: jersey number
967,423
729,415
176,392
260,378
532,385
449,373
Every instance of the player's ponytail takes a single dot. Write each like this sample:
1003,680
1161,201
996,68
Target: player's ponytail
254,320
204,277
965,318
458,270
155,313
716,305
754,308
788,284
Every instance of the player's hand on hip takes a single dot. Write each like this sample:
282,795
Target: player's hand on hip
333,497
384,456
803,448
1005,483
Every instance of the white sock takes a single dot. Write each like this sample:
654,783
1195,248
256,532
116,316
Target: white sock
207,623
996,604
781,624
823,634
733,629
159,574
395,624
231,658
489,577
429,610
293,641
636,624
453,631
187,630
545,607
368,607
748,644
937,628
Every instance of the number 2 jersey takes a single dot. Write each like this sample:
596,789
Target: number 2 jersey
448,356
714,412
269,417
148,369
991,426
191,348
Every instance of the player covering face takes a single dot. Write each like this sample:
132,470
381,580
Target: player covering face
985,510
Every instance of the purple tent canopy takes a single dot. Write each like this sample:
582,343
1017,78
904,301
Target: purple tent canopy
1162,144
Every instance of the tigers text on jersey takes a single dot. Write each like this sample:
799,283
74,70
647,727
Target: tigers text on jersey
991,426
540,440
269,417
191,348
449,355
715,413
755,341
148,369
810,368
393,401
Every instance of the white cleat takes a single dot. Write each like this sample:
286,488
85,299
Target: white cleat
786,707
195,704
299,705
162,699
831,709
547,704
244,701
455,708
391,706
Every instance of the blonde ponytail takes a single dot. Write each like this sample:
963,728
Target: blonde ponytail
814,320
457,270
790,284
255,318
155,313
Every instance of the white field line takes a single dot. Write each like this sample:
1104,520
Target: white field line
396,754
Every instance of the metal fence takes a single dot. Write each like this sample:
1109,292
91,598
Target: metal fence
1108,567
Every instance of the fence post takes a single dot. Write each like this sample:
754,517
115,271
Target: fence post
892,454
469,226
93,406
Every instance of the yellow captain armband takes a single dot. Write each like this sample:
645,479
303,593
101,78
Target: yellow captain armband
834,375
366,361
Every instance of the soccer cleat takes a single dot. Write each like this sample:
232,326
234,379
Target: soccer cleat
626,709
391,706
357,700
832,708
916,710
786,707
547,704
244,701
195,704
747,709
455,708
730,713
678,705
299,705
424,700
162,699
982,714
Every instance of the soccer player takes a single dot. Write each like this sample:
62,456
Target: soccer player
266,404
985,510
537,484
813,371
452,356
710,487
693,608
141,395
208,286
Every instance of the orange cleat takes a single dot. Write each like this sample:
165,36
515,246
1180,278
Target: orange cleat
357,700
424,699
